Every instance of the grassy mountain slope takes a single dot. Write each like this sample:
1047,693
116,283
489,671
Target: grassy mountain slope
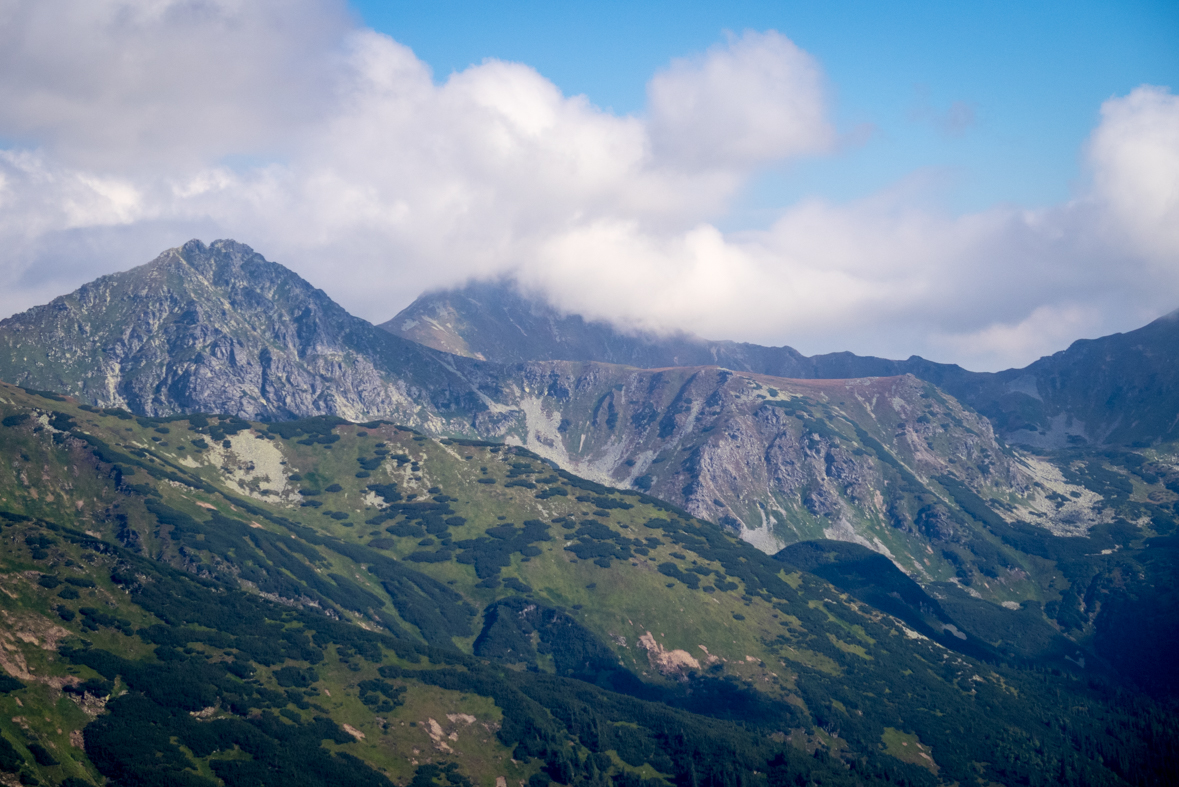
200,599
1116,390
875,580
891,463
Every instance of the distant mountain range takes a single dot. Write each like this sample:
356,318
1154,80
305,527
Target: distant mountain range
889,461
1119,390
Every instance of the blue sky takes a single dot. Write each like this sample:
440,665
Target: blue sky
1031,74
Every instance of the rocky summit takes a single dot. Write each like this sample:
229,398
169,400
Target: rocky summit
217,328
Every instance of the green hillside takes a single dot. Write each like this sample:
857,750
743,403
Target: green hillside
200,600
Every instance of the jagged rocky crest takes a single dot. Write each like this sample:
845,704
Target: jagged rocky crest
1121,389
216,328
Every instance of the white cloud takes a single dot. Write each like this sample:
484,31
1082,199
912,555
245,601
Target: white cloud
758,99
335,151
881,275
1135,157
1054,325
162,84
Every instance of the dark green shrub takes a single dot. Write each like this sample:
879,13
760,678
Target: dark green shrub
10,759
41,755
294,677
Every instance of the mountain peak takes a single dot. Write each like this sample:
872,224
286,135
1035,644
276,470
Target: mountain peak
212,327
224,262
496,320
220,254
171,275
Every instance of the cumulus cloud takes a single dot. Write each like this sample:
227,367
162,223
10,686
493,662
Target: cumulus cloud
880,275
334,150
165,84
1135,158
759,98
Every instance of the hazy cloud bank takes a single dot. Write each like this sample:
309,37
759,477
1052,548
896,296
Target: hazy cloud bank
130,127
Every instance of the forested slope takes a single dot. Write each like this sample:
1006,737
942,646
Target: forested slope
202,600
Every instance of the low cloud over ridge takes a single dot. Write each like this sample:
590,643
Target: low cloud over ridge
333,149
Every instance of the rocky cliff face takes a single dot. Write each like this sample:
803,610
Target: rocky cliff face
1120,390
1117,390
218,328
878,461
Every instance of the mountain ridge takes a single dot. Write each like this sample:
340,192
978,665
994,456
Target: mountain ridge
217,328
892,463
1097,391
